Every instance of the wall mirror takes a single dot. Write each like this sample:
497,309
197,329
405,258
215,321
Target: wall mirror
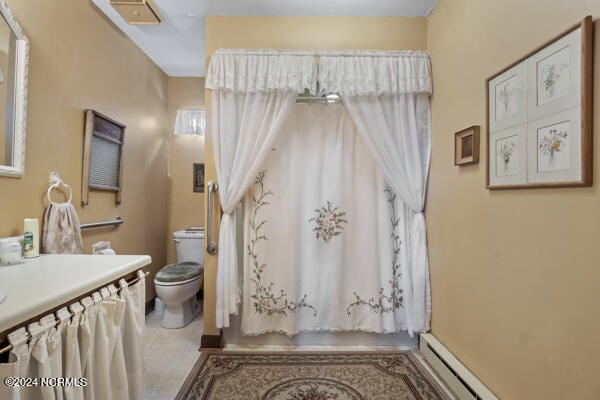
14,55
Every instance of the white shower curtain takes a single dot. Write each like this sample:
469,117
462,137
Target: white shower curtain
251,99
100,341
404,161
388,99
323,240
387,94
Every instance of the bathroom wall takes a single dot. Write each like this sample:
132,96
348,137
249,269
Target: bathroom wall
299,33
79,60
514,273
186,208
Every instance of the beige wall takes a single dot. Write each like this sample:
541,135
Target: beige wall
186,208
79,60
299,33
514,273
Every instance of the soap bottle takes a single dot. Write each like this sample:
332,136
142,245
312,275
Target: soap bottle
31,238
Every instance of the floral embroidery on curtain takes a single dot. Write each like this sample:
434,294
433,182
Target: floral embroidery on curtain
387,303
265,298
386,95
342,258
328,222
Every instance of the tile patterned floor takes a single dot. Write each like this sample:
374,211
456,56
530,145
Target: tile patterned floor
169,355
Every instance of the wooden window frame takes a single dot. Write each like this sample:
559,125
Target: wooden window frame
91,119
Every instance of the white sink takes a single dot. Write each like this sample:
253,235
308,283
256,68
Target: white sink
2,297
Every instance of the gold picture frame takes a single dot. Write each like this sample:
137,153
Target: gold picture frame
466,146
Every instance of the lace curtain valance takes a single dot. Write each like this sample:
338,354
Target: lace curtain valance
363,74
255,72
347,73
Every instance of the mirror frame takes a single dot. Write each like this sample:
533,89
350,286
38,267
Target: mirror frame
17,169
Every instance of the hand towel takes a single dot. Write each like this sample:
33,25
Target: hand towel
62,231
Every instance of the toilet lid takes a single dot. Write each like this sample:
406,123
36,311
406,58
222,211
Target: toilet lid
180,272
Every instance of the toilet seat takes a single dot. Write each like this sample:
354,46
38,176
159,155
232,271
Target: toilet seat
181,283
179,273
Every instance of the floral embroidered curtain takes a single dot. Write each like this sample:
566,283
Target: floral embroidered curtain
241,145
323,234
388,96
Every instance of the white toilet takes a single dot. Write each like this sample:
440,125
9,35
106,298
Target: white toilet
177,284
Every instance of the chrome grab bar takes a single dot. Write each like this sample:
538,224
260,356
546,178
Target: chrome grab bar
116,222
211,247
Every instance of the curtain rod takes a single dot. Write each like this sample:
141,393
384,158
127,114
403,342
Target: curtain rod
333,53
325,100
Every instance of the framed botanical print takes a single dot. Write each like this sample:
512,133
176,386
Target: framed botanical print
507,159
508,105
539,115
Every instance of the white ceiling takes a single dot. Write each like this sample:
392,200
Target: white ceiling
374,8
177,44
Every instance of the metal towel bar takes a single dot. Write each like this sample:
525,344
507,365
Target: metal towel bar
116,222
211,247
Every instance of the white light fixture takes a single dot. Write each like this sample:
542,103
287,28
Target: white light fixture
190,122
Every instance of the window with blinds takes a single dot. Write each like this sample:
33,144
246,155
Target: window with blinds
102,155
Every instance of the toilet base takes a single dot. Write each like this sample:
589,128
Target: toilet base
178,317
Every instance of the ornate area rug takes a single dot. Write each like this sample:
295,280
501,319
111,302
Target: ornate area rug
226,375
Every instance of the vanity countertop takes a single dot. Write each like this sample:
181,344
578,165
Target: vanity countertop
43,283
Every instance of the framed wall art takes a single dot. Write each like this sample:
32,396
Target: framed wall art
539,115
198,177
466,146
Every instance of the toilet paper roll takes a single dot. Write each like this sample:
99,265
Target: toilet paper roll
106,252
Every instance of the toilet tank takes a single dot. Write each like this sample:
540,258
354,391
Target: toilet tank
189,244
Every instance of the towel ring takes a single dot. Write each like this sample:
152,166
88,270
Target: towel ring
56,186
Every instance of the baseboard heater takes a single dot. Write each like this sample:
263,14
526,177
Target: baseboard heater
453,373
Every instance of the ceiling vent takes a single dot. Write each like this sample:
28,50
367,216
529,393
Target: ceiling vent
137,12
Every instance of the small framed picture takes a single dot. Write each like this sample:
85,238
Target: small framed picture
199,177
466,146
